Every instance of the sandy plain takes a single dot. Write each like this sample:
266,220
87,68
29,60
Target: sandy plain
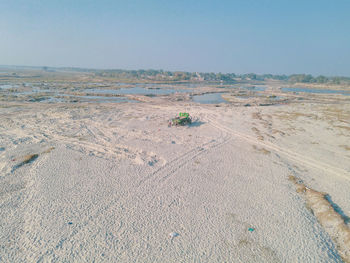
252,180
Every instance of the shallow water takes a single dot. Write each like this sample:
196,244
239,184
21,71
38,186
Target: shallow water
7,86
255,88
152,90
99,99
259,96
209,98
276,97
53,92
320,91
57,95
54,100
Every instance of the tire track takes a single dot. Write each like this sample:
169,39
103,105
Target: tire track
202,151
173,165
287,153
178,161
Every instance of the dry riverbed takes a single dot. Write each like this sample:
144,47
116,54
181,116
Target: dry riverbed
264,177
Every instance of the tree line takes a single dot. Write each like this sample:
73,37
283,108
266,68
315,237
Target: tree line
161,75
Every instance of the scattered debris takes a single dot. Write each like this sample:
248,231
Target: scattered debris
173,235
250,229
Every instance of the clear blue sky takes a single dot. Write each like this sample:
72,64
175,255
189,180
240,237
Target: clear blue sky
262,36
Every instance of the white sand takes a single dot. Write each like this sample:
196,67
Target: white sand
121,186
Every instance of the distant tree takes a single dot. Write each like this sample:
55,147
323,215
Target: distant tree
267,76
321,79
301,78
251,76
336,80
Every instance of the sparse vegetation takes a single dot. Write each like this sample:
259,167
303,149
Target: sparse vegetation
25,160
328,214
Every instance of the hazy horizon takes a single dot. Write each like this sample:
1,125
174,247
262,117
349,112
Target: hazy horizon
276,37
39,67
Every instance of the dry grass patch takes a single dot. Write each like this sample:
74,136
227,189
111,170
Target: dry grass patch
243,242
329,215
292,116
347,128
49,150
275,131
254,129
342,115
257,133
260,137
261,150
256,115
29,158
345,147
